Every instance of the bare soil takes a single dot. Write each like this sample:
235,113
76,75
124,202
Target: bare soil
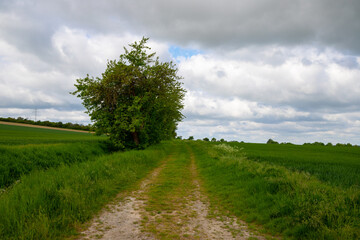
122,219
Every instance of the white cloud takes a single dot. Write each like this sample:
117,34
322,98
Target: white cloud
89,52
239,94
49,114
29,81
323,83
287,70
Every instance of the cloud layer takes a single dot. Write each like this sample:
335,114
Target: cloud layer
287,94
254,70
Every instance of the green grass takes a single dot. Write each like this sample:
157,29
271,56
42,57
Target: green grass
281,199
24,149
18,160
335,165
19,135
58,187
52,204
169,194
299,192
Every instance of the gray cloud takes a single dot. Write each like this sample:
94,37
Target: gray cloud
287,70
321,85
208,24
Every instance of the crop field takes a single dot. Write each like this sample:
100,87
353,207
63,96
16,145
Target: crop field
300,192
24,149
54,180
19,135
334,165
52,183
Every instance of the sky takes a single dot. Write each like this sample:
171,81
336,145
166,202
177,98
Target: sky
253,70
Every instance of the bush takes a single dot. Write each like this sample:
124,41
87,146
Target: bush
270,141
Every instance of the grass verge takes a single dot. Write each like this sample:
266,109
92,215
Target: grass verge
51,204
294,204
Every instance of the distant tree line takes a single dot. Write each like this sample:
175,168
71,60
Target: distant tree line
330,144
270,141
191,138
68,125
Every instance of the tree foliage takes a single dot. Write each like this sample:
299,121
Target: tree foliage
138,99
270,141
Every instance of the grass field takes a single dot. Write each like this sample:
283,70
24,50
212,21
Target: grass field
24,149
59,188
334,165
19,135
53,182
286,189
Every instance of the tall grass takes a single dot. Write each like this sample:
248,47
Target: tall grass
24,149
335,165
51,204
17,160
292,203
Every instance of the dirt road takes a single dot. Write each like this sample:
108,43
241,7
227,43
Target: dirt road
169,203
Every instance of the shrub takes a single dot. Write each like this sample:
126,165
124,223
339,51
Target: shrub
270,141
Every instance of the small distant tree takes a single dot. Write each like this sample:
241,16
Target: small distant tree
137,100
191,138
206,139
222,140
270,141
213,139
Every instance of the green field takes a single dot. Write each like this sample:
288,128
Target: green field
19,135
53,182
334,165
24,149
300,192
71,178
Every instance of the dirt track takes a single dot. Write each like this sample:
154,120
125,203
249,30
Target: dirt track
133,216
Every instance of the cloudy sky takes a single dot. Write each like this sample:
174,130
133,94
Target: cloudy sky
253,70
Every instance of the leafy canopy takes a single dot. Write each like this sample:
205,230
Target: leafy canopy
138,99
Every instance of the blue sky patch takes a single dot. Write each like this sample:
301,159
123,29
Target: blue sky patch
183,52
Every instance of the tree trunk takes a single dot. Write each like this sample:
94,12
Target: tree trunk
135,136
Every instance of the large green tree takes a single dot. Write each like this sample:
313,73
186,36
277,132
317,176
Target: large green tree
137,100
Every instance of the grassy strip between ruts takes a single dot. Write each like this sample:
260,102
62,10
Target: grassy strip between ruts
168,196
51,204
296,205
